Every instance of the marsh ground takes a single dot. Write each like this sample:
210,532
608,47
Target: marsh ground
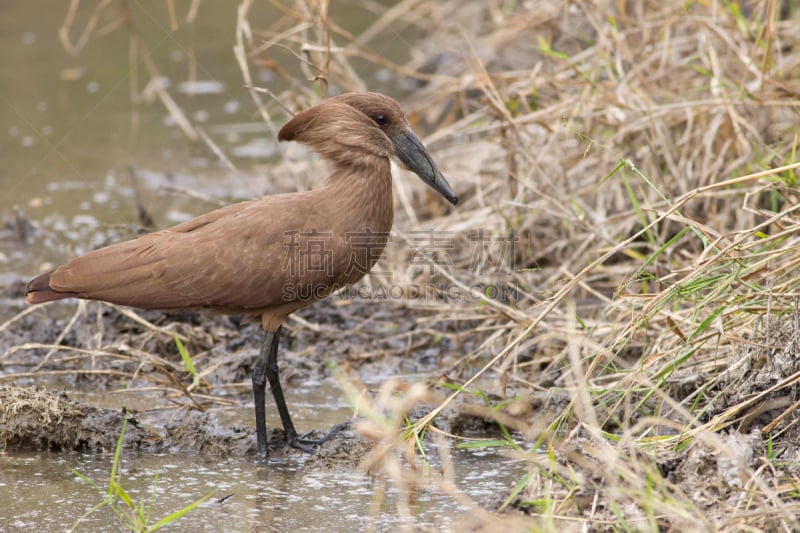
612,307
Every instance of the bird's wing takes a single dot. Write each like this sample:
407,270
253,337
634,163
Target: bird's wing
232,258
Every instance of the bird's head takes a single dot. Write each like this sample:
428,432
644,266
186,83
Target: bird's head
351,128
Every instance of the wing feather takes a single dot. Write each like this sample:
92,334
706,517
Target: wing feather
229,258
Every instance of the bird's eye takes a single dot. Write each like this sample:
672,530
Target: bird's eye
381,120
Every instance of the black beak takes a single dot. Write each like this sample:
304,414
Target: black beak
410,151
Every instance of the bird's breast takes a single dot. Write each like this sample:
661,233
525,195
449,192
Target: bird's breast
334,256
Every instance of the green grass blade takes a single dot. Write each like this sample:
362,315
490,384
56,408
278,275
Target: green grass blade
179,513
187,361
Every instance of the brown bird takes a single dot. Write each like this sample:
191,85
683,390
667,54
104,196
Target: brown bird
270,256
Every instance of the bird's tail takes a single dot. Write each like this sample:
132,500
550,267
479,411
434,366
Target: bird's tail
38,291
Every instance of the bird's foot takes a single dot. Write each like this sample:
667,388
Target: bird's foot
305,444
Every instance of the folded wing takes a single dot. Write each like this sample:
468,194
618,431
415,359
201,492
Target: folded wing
229,258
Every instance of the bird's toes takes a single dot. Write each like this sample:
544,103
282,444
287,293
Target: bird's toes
303,445
306,444
326,437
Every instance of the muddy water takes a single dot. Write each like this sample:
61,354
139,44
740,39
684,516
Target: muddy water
287,494
48,496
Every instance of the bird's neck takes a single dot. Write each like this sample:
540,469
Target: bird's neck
363,194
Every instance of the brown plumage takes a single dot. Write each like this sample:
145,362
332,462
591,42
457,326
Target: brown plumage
273,255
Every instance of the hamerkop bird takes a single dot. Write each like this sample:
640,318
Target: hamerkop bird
270,256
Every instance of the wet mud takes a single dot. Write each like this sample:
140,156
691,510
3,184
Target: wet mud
105,349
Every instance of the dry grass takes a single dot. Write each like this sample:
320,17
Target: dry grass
642,159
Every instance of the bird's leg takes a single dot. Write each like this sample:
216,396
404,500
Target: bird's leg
268,352
273,376
266,369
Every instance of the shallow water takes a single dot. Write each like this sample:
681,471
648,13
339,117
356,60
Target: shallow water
285,494
47,496
289,493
